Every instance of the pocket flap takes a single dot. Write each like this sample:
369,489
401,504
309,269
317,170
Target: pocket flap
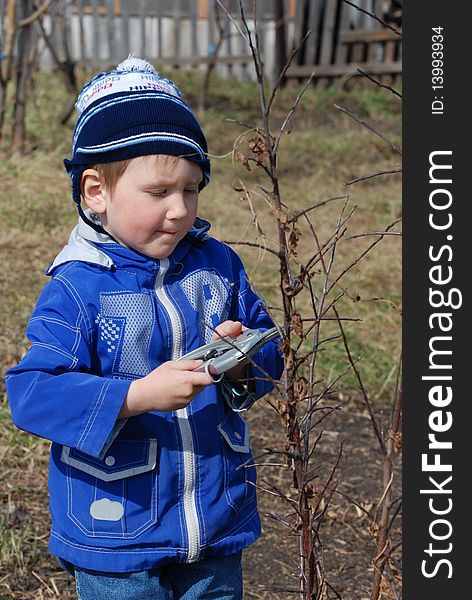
235,430
124,458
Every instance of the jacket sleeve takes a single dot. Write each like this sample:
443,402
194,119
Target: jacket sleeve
53,392
267,365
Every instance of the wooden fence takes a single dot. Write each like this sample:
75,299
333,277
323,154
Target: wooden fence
100,33
345,38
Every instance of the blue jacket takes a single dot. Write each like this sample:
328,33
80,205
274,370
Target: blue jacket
161,487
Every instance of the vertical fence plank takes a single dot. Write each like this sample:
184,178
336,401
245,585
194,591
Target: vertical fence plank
66,33
212,10
298,31
160,47
82,42
375,49
193,28
260,24
280,40
341,48
53,22
245,51
228,50
111,37
313,23
361,17
377,10
389,54
359,50
142,27
95,30
125,31
2,14
176,15
327,41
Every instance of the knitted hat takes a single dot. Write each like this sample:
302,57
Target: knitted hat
129,112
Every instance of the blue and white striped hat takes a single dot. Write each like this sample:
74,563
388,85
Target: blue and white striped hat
129,112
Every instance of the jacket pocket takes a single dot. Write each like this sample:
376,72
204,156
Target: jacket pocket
240,472
114,497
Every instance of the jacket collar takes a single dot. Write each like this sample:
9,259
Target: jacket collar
90,246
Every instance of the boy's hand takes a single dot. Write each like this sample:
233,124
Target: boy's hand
169,387
233,329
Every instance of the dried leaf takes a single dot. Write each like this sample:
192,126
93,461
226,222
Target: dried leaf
301,388
297,324
258,147
289,361
285,348
309,491
242,158
292,290
293,243
281,215
398,441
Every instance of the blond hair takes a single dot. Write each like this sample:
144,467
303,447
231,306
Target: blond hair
111,172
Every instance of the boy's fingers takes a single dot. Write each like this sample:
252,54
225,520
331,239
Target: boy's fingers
197,377
187,365
232,328
200,379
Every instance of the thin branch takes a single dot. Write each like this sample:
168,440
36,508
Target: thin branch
331,318
260,246
285,69
382,233
337,594
361,256
371,175
310,411
387,87
293,503
291,111
35,15
394,516
378,19
233,20
279,519
326,487
240,123
356,504
362,388
370,128
297,215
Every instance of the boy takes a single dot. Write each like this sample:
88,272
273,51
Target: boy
151,495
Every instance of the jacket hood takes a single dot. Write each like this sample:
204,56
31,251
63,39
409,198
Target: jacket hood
88,245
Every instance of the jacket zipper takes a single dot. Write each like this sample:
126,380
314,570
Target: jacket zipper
188,447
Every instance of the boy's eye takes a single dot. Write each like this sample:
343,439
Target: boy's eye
157,193
191,190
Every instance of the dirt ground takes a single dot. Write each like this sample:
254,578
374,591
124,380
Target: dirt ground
270,569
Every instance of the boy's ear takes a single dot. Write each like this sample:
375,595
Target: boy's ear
93,191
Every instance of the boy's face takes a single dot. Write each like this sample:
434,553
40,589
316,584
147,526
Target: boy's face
153,205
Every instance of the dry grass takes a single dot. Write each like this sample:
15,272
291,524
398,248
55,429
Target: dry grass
323,150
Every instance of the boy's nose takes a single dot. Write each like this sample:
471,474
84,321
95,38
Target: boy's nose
177,207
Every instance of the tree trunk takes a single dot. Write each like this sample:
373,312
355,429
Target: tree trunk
23,75
5,64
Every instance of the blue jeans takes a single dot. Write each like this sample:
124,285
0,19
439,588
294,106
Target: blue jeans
212,578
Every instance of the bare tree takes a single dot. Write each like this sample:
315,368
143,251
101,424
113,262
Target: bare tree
305,395
23,25
7,59
26,51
